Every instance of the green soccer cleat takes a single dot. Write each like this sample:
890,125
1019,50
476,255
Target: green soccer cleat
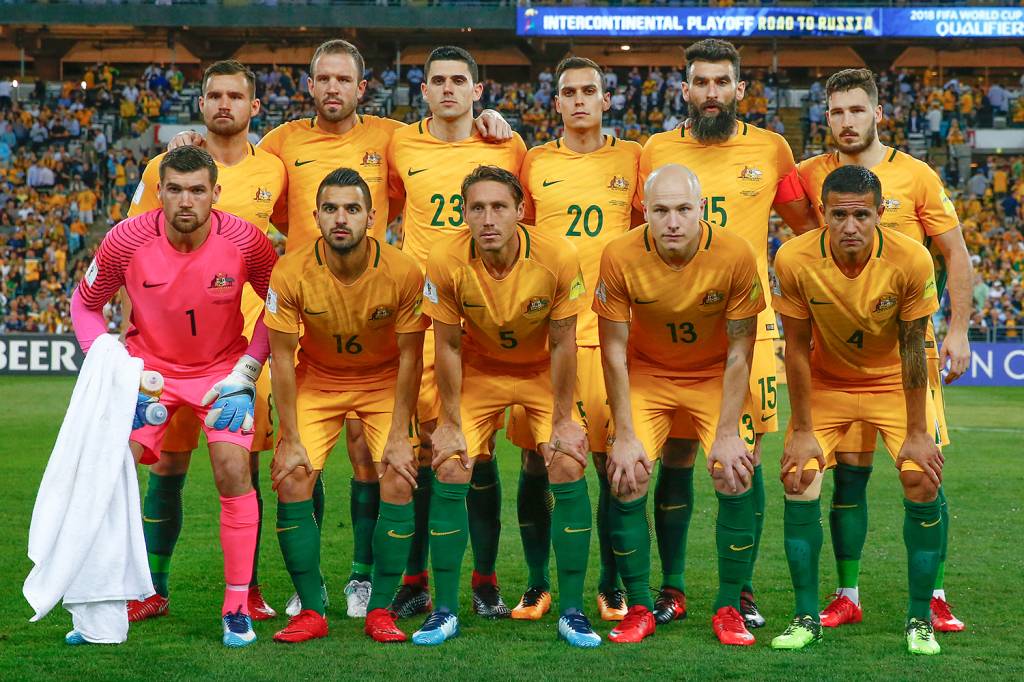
921,638
800,632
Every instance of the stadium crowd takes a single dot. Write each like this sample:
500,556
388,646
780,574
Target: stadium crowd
72,154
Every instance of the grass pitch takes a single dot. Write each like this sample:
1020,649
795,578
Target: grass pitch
984,480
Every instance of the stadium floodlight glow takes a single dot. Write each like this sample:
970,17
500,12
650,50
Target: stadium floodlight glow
624,48
14,82
84,85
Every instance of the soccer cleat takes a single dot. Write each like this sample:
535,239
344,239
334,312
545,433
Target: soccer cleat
921,637
840,611
575,629
748,608
611,605
638,624
535,603
487,601
380,626
669,606
238,630
302,627
75,638
150,607
259,609
729,627
410,600
800,632
943,619
357,594
294,605
439,626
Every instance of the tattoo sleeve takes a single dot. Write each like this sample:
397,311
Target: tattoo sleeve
738,329
912,355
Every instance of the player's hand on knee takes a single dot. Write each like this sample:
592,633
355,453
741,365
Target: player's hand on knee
234,397
921,449
801,448
186,138
626,452
570,439
289,455
737,463
448,441
399,456
492,127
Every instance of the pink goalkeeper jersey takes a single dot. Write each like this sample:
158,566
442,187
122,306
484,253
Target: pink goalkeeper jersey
186,319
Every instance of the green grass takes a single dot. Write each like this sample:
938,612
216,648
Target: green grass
983,480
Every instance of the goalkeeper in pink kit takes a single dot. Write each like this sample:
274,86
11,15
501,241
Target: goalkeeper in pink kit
183,267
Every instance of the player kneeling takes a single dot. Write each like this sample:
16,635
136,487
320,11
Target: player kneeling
863,294
501,296
356,303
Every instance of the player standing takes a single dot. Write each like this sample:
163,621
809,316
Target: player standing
504,302
916,205
580,186
356,304
747,171
855,299
677,303
183,267
251,182
427,163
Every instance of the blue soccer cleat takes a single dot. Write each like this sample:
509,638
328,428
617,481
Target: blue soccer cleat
439,626
75,638
575,629
238,630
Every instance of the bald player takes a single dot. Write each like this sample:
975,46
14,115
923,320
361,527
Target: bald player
855,298
252,183
746,172
916,205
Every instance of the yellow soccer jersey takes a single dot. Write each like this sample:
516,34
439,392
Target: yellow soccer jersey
429,172
348,330
740,179
855,322
506,321
586,198
678,317
309,154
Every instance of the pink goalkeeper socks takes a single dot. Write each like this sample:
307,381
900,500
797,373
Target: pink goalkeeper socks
239,517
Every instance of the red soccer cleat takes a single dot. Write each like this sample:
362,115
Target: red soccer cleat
259,609
635,627
729,627
150,607
841,611
380,626
943,619
307,625
669,606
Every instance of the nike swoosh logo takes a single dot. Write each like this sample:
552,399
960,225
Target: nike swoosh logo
282,530
474,486
447,532
303,163
548,183
642,302
416,172
472,305
933,523
149,520
393,534
740,549
147,285
764,419
313,312
845,506
567,529
618,553
671,507
813,302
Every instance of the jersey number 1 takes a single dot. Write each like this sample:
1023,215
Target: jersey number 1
192,319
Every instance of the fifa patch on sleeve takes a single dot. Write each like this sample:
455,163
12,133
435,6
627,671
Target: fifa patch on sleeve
429,290
417,306
139,191
929,288
271,300
601,292
577,288
92,273
755,289
947,205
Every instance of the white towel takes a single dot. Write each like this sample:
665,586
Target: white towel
86,536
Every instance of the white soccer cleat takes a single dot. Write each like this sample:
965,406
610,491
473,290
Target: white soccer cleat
294,605
357,594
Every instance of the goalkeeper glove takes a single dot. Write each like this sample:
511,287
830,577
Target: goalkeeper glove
234,397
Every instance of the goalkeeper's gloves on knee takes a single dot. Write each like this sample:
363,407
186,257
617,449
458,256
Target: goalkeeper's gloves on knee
234,397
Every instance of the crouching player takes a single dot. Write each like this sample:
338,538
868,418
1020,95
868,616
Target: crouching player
504,302
677,302
183,266
855,299
356,303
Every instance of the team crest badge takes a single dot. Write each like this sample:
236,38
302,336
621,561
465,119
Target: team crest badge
619,183
886,302
221,281
891,204
751,173
380,313
263,194
536,304
713,297
370,158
